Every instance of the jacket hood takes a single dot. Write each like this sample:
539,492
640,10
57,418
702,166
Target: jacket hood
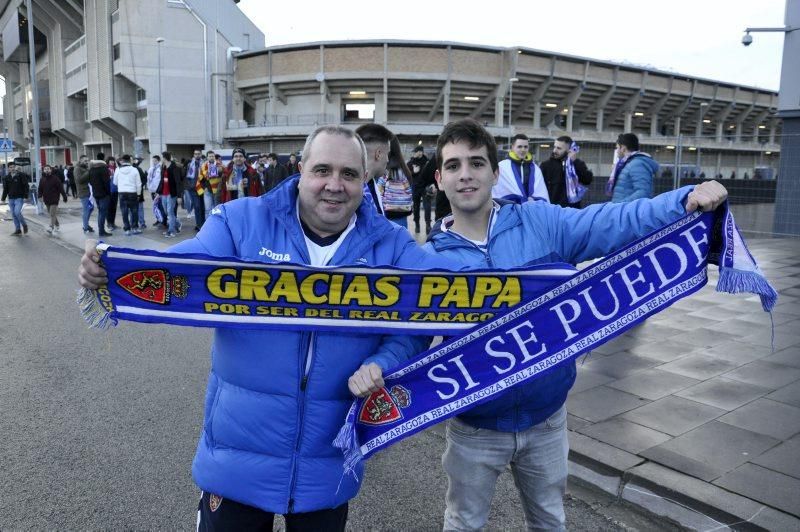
645,158
96,162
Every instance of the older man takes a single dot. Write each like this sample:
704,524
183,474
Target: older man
275,400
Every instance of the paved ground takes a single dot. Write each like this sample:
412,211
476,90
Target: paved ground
691,415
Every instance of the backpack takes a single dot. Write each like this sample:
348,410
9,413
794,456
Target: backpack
396,192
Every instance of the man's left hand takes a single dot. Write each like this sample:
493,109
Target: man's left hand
706,197
366,380
572,155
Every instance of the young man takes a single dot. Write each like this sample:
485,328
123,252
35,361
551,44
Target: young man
376,138
50,191
525,428
100,182
420,188
168,190
240,179
520,179
82,184
632,177
274,173
192,175
16,187
129,185
554,171
273,412
207,185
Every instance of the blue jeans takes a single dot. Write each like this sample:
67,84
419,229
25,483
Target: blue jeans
15,204
169,204
141,214
209,202
86,204
102,212
198,203
475,457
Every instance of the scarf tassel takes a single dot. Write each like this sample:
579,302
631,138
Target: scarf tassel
346,441
733,281
93,312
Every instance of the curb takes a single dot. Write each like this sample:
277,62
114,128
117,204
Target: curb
666,493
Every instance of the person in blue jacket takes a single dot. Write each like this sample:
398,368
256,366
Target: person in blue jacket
634,171
276,399
526,427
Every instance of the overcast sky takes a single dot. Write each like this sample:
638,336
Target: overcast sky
695,37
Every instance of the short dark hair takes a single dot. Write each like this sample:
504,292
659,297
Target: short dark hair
374,133
470,131
166,155
100,156
519,136
629,140
125,157
272,156
156,156
565,139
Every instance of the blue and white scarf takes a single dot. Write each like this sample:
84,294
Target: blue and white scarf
507,327
575,190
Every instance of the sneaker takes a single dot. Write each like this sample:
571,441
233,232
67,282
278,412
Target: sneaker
106,233
128,232
56,230
25,229
112,227
137,231
16,233
416,227
49,230
169,235
142,226
88,229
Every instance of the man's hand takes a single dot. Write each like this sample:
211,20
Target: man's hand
366,380
572,155
90,273
706,197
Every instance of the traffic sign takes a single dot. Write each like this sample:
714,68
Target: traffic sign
6,145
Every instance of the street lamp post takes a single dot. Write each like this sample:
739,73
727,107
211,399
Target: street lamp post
161,146
511,82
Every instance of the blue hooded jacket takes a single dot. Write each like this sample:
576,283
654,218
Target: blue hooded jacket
276,399
540,233
636,179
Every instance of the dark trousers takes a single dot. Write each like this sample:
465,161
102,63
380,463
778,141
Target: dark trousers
129,204
217,514
199,208
112,209
420,196
102,212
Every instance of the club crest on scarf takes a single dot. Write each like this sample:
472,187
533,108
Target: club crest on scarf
154,286
385,406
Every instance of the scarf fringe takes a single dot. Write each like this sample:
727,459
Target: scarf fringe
735,281
346,441
93,312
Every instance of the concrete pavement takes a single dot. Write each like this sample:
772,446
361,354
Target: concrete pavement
691,415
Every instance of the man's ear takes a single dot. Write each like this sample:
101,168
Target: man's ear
438,177
299,166
496,176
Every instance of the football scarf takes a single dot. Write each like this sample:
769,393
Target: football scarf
568,319
575,190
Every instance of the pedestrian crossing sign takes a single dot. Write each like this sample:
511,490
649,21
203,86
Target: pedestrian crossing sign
6,145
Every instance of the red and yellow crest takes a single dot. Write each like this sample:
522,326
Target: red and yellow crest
154,286
214,502
384,406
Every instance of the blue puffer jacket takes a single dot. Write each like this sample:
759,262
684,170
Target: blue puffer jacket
267,432
635,181
540,233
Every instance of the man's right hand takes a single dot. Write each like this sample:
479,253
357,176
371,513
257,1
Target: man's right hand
90,273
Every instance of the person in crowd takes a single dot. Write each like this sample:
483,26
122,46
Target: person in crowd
208,185
84,193
555,172
420,189
632,176
525,429
137,161
50,191
193,168
100,182
376,138
394,186
274,173
240,179
16,187
292,166
168,191
154,178
111,217
129,185
264,454
521,178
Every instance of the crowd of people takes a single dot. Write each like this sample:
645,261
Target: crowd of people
271,417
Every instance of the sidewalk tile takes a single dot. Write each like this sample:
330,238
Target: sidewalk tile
698,366
587,379
716,312
705,337
763,416
625,435
737,352
788,394
653,383
765,374
687,324
764,485
711,450
601,403
619,365
740,327
620,343
788,357
664,351
673,415
782,340
723,393
785,458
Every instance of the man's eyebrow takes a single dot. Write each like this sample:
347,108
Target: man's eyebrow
320,166
354,171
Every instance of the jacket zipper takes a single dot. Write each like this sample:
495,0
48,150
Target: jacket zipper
308,345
